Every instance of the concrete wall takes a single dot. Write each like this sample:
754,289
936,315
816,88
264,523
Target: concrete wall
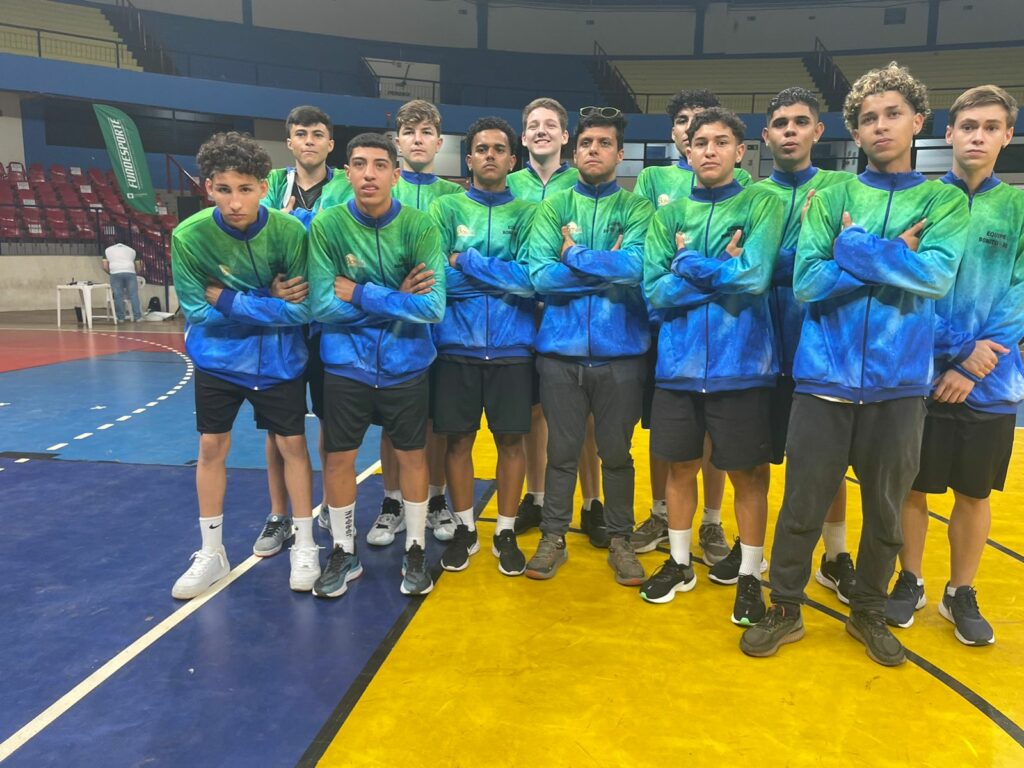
12,145
30,282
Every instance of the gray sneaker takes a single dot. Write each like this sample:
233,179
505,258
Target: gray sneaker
550,554
712,543
869,627
621,557
390,521
277,530
322,513
782,624
649,534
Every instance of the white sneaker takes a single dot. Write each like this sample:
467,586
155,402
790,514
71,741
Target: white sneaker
390,521
440,519
207,569
305,563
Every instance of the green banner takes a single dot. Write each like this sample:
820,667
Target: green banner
125,149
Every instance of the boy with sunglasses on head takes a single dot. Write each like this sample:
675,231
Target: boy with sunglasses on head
586,262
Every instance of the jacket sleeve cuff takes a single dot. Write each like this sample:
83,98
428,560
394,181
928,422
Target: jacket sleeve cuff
225,300
357,296
964,372
965,351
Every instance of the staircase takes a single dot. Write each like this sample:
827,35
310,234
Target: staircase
827,76
610,82
127,21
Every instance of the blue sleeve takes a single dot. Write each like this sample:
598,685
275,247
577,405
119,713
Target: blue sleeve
252,309
548,274
875,260
783,274
663,289
624,266
506,276
1005,325
326,306
816,275
190,287
951,345
462,286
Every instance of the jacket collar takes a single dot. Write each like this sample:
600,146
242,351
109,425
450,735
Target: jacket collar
369,221
681,163
891,181
991,182
250,232
561,169
716,194
419,178
598,191
795,179
490,199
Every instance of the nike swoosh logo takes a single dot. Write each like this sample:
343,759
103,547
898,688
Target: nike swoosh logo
218,525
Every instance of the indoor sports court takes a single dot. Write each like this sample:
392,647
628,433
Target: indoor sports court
104,105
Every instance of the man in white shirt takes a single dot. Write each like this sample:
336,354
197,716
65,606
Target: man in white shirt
119,261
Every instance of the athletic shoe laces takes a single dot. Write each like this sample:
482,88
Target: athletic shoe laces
336,562
903,589
306,557
201,560
271,528
874,623
966,602
414,559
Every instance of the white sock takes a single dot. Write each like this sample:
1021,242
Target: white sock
950,590
504,524
395,494
711,516
415,523
750,560
679,545
211,529
436,490
538,497
834,536
588,502
343,526
466,518
659,508
304,532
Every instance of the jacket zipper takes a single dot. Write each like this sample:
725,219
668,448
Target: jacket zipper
259,356
590,297
871,294
779,325
380,264
487,299
707,304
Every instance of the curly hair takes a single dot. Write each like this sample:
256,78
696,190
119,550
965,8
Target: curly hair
889,78
233,151
717,115
491,124
701,98
790,96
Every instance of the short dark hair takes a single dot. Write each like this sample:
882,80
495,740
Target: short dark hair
599,121
233,151
375,140
701,98
790,96
717,115
307,116
492,124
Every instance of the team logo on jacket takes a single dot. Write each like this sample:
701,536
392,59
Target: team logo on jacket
574,229
463,231
663,200
352,261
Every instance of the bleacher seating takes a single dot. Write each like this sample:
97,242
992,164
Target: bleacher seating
72,33
743,84
948,73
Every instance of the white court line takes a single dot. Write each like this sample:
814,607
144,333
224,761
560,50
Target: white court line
122,418
82,436
104,426
45,718
57,447
139,410
150,405
21,461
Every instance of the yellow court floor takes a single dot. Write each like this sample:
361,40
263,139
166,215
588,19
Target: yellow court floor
579,671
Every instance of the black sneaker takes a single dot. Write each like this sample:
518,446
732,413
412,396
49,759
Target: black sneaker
727,570
528,516
415,576
781,624
882,646
838,575
906,597
749,606
670,578
463,544
511,560
592,524
962,610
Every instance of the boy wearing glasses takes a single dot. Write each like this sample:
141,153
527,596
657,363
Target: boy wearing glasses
586,262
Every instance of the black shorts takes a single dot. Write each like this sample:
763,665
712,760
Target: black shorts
965,450
782,404
652,364
351,406
739,423
314,378
281,408
460,392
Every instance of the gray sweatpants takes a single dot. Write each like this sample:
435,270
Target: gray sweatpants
882,442
568,393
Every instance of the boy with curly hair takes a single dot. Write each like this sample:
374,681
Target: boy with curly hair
246,345
874,255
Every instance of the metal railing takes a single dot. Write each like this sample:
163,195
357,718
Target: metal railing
836,85
607,74
745,101
54,44
187,184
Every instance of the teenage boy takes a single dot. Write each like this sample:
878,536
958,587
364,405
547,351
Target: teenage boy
302,191
246,344
792,130
709,263
586,262
545,133
663,185
485,342
376,349
418,125
873,256
968,433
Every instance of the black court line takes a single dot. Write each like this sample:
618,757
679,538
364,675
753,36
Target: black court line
994,544
337,718
27,455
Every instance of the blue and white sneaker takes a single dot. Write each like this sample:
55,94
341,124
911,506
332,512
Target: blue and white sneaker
342,567
415,576
277,531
